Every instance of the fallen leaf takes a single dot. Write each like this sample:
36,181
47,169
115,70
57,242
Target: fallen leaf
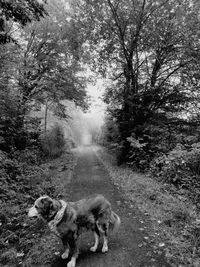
20,254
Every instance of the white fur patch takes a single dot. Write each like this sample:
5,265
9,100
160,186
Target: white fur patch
72,262
94,248
105,244
52,224
65,254
33,212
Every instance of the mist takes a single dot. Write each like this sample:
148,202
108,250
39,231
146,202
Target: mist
80,128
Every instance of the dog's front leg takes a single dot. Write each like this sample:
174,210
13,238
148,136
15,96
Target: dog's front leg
74,249
72,262
96,243
66,247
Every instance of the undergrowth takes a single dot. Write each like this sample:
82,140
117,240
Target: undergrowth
173,214
53,142
24,176
180,167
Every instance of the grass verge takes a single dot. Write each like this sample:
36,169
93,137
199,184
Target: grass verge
172,215
28,242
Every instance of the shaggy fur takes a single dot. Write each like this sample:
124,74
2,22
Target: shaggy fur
69,219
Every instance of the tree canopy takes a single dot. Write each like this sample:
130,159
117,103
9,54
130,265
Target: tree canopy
40,68
19,12
150,50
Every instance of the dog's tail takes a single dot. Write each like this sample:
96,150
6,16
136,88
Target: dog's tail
114,221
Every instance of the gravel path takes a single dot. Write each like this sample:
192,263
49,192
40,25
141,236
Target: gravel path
130,247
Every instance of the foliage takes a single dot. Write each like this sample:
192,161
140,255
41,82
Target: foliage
150,51
174,217
53,142
109,132
109,137
138,156
41,69
21,12
22,179
181,168
16,130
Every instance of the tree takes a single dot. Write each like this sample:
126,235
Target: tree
49,71
41,68
146,48
20,13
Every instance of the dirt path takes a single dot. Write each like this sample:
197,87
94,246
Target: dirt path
129,247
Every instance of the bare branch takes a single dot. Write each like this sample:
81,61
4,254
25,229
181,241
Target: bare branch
121,32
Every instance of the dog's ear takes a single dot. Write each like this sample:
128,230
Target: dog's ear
47,207
47,203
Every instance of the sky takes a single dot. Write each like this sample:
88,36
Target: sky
94,117
95,90
97,108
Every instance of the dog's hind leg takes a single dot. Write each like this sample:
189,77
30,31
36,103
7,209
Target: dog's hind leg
96,243
103,228
105,238
105,244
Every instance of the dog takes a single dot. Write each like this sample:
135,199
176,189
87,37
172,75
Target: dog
69,219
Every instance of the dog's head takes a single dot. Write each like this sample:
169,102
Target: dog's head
43,207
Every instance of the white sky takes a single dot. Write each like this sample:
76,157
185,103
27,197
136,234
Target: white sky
97,109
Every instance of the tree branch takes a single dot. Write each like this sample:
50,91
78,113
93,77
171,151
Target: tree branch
121,33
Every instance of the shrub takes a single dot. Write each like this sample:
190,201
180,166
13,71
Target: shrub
53,142
180,167
10,167
29,156
138,157
9,257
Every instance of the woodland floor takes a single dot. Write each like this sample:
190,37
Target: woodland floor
132,246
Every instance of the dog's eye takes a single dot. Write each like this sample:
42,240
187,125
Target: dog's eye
36,207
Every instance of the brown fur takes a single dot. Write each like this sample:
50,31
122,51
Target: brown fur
93,213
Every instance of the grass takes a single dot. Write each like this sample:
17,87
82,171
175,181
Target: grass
47,249
23,240
172,215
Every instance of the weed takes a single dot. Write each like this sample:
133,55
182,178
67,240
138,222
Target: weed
178,224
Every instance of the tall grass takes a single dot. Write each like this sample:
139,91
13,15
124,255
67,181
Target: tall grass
53,142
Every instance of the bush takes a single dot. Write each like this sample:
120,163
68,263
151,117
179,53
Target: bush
180,167
10,167
29,156
53,142
138,158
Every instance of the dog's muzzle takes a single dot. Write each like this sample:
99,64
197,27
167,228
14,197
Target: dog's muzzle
33,212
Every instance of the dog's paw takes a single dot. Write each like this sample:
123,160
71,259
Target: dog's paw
104,249
65,254
93,249
71,263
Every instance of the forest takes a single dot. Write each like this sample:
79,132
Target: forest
149,54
